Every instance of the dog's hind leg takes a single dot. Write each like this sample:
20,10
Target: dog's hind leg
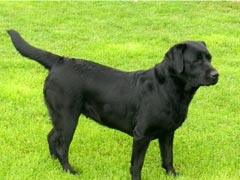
52,141
66,135
59,138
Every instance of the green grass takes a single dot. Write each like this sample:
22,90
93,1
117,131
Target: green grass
128,36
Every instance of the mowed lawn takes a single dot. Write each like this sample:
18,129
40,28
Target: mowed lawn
129,36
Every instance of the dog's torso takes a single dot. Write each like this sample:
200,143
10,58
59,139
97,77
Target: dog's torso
93,89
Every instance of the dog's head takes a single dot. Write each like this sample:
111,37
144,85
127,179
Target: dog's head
191,62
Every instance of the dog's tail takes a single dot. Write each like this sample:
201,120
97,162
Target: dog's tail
45,58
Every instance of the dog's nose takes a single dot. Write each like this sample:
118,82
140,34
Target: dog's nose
214,74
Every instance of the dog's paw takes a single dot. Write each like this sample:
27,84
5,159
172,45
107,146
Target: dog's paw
72,171
173,173
54,156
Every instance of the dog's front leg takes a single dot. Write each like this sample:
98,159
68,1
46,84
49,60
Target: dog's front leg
139,150
166,148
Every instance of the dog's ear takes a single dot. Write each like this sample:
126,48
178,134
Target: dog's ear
203,43
174,57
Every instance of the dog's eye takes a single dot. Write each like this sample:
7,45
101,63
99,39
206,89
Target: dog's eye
209,57
198,59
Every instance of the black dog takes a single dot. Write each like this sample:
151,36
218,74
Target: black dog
149,104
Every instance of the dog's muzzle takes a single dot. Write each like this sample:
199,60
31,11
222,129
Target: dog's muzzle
213,77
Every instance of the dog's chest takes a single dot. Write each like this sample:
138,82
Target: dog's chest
165,113
178,115
173,116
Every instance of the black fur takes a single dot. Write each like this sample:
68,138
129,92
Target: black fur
148,104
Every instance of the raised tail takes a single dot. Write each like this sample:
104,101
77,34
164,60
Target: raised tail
45,58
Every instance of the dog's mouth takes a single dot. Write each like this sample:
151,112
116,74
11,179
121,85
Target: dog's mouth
212,80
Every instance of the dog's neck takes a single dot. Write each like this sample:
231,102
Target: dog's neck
165,74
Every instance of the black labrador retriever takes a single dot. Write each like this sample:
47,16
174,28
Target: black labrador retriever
147,104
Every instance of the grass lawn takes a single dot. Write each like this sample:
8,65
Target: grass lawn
128,36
